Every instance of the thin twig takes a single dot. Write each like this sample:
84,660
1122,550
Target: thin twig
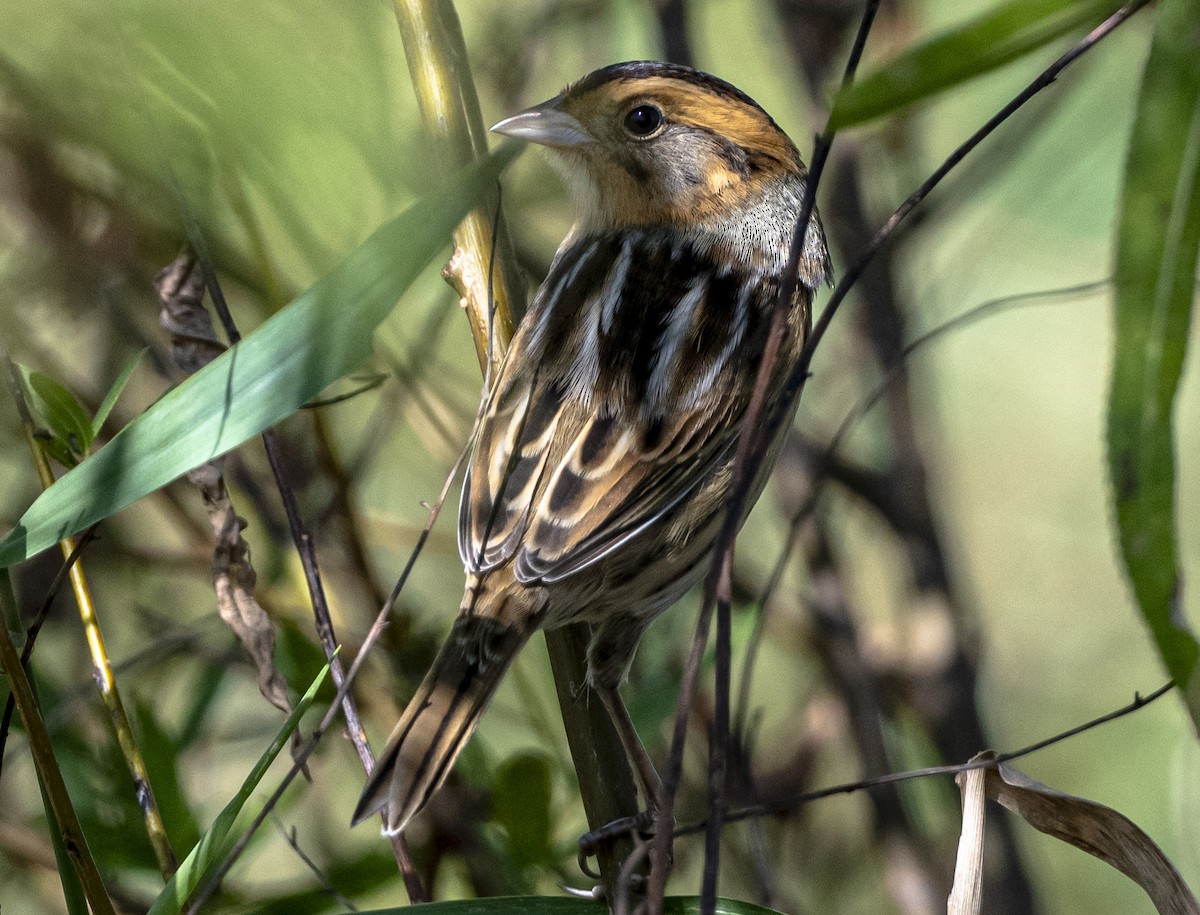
302,538
31,633
301,757
1044,79
65,819
733,816
794,384
827,464
291,837
381,620
718,586
102,671
863,483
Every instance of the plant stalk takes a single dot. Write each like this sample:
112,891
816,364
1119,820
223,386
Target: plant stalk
483,271
66,821
101,666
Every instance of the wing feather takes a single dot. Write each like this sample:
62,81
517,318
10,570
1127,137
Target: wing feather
621,394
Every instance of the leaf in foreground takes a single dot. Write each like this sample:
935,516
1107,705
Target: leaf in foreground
556,905
979,46
318,338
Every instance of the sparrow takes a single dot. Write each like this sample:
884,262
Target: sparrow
595,489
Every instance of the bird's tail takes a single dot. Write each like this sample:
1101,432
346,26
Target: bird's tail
439,719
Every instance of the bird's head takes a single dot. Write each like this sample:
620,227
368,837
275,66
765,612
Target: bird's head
647,143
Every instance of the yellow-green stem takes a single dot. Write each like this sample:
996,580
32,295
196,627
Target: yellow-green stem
47,767
102,671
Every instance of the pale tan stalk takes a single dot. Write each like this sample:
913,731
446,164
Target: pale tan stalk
441,78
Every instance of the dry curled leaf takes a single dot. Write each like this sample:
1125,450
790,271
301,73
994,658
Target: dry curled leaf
1098,830
233,581
194,344
180,288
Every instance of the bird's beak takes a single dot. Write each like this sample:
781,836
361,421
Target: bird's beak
545,124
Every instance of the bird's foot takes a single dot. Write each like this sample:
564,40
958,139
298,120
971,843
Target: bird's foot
641,827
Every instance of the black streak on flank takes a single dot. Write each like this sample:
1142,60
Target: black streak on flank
563,318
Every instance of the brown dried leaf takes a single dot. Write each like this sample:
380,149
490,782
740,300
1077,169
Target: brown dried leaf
180,288
1098,830
194,344
234,579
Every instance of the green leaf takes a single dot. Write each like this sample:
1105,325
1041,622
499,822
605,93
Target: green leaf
62,412
553,905
1157,245
322,335
215,843
110,399
978,46
521,804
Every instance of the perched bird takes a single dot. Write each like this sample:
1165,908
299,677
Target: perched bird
606,444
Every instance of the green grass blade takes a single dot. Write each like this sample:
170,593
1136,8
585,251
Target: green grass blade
64,415
114,393
976,47
213,844
1156,258
322,335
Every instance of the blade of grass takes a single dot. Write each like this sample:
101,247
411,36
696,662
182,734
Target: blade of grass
978,46
214,844
324,334
114,392
1157,243
74,897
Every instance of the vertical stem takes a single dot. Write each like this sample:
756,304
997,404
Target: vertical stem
101,666
47,767
441,78
102,671
605,799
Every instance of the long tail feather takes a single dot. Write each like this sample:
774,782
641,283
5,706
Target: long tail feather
439,719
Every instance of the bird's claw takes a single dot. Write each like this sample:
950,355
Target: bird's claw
641,826
596,893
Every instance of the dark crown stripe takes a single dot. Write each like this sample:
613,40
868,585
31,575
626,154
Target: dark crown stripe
640,69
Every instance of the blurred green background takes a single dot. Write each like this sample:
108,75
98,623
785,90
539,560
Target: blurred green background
289,132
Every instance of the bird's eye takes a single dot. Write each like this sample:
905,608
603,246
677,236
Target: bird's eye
643,121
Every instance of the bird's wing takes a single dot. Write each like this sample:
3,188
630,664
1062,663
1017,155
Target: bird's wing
623,391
